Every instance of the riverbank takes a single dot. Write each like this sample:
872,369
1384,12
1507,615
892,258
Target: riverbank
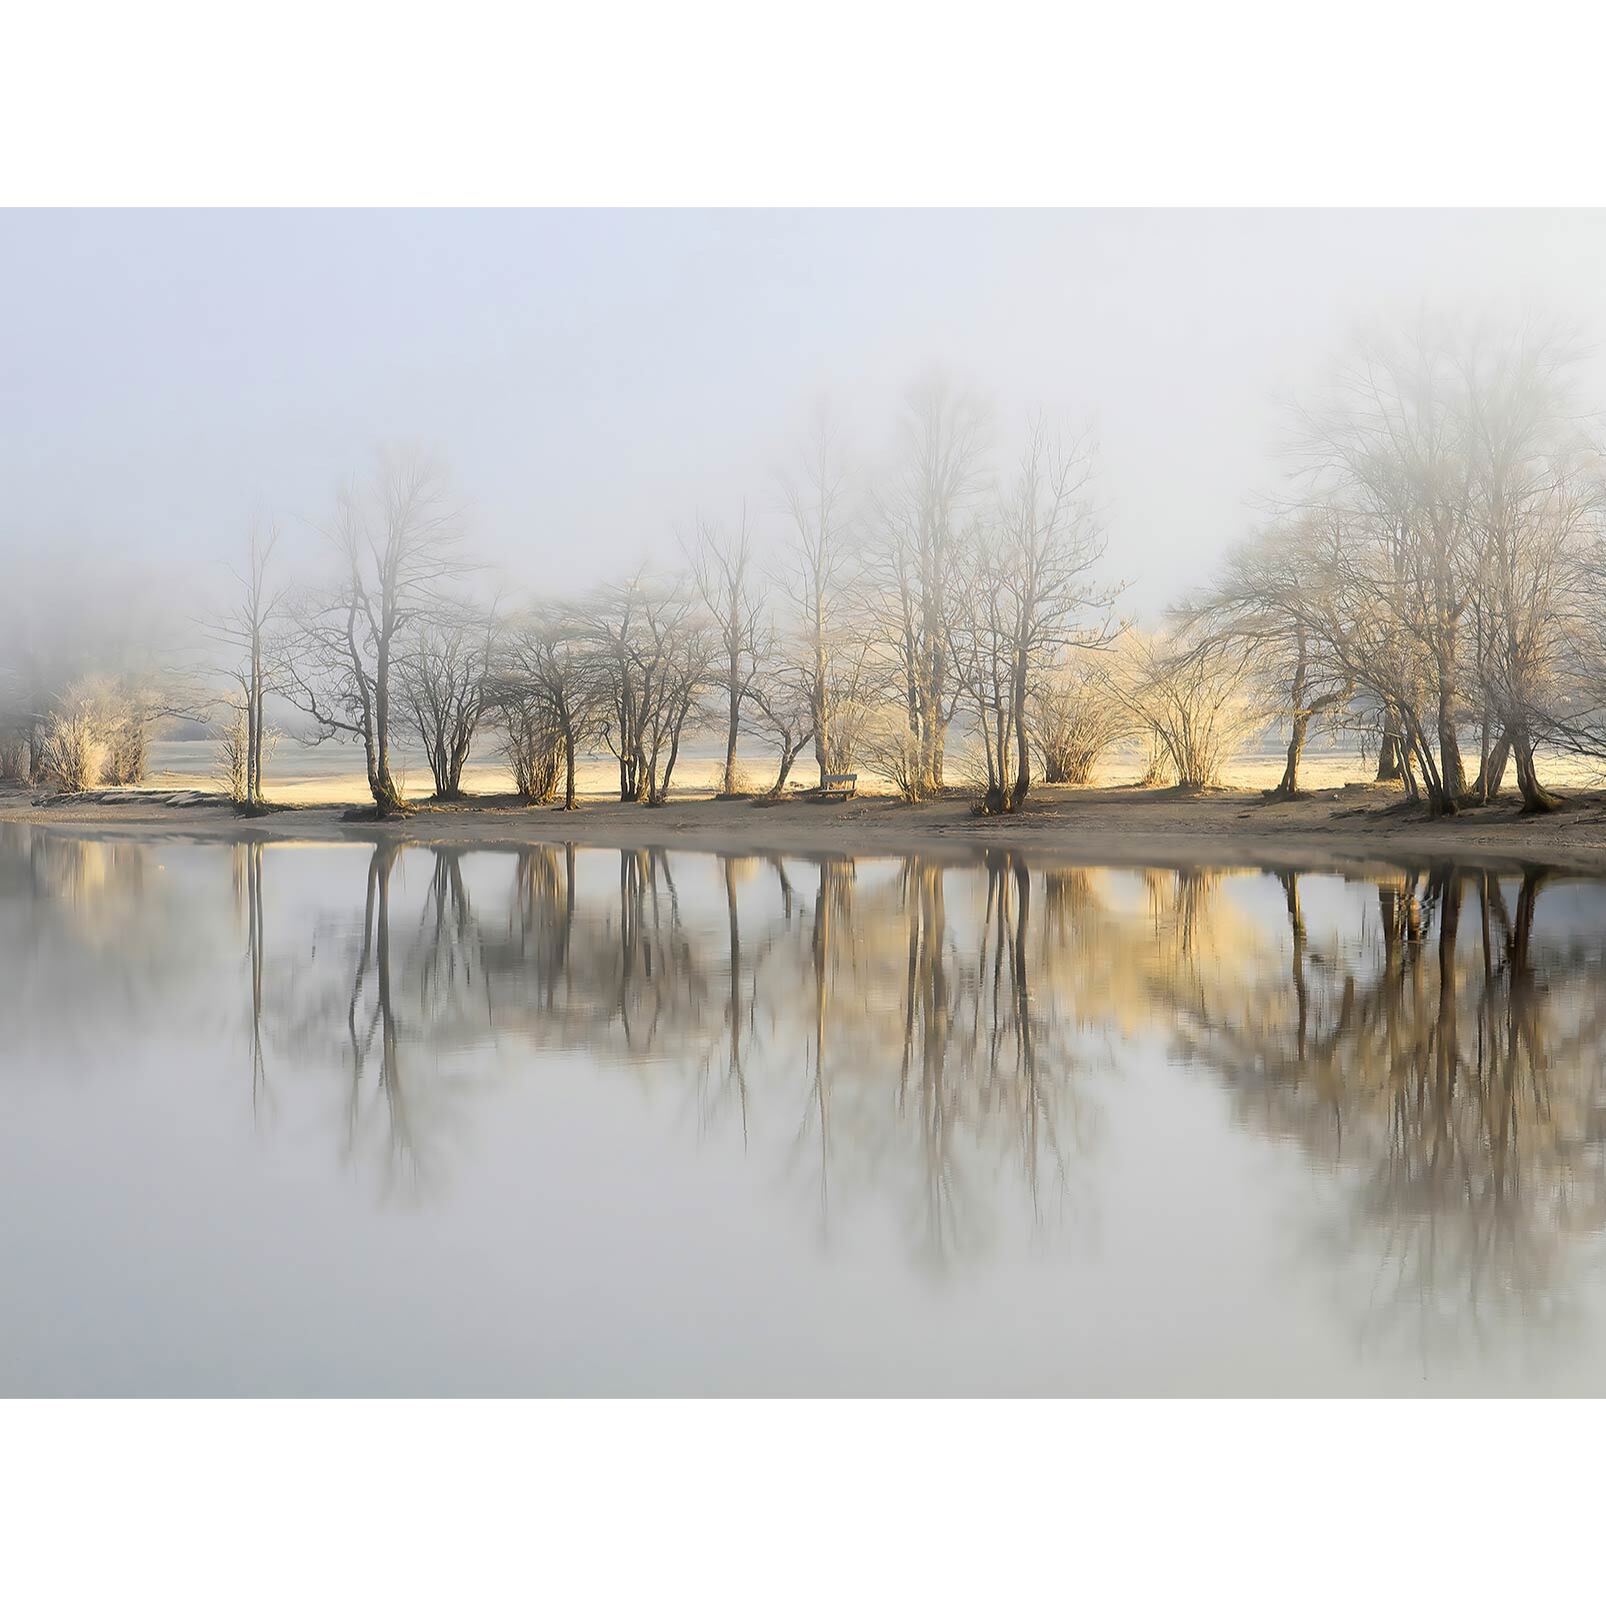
1108,825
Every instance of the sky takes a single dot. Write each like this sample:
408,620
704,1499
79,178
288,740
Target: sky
595,380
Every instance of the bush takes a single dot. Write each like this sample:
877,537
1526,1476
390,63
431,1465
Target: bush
1190,698
1157,766
849,724
127,751
233,757
742,782
533,746
1075,722
892,752
74,751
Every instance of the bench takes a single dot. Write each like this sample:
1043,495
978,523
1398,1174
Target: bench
838,786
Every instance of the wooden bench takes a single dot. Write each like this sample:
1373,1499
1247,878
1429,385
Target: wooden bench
838,786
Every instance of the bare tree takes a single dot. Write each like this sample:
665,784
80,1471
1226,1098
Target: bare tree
1075,721
651,651
784,702
1190,695
723,572
104,637
1538,497
923,521
611,625
1261,603
549,687
1446,499
676,656
444,679
1389,473
398,546
1030,596
247,632
828,647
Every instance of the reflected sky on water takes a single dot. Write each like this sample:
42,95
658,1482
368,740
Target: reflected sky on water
352,1119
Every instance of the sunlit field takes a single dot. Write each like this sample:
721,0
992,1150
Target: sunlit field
332,772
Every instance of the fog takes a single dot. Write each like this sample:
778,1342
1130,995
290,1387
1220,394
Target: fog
595,380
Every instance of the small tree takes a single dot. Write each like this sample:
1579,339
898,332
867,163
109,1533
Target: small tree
678,655
547,686
1191,697
650,650
1262,604
444,680
242,749
786,709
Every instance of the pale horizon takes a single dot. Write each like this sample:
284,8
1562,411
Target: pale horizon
593,381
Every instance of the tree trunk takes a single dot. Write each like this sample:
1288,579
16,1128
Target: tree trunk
1493,774
251,736
387,799
1452,772
1536,798
669,766
1023,760
258,799
785,770
1288,786
733,725
568,766
1390,762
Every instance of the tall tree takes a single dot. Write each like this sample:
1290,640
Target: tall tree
397,543
1387,463
827,647
723,571
923,521
247,631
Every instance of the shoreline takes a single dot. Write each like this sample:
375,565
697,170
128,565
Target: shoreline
1349,827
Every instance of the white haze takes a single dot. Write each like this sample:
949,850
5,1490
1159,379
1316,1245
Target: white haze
595,379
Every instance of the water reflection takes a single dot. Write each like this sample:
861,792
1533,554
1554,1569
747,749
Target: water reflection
1450,1063
897,1054
930,1040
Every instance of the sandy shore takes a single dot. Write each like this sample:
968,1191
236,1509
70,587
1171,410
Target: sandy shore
1110,825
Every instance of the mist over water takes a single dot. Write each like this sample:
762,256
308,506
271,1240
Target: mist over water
282,1118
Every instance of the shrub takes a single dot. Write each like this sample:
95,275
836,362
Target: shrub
892,752
1075,722
532,743
127,750
74,751
1190,698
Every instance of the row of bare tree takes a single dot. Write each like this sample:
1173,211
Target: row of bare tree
1430,581
881,619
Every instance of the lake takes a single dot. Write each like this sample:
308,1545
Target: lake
315,1119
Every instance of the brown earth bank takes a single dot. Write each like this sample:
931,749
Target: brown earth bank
1339,828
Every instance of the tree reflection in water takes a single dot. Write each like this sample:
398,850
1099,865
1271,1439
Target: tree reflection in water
927,1037
1449,1063
911,1060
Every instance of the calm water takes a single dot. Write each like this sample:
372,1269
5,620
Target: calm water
319,1119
